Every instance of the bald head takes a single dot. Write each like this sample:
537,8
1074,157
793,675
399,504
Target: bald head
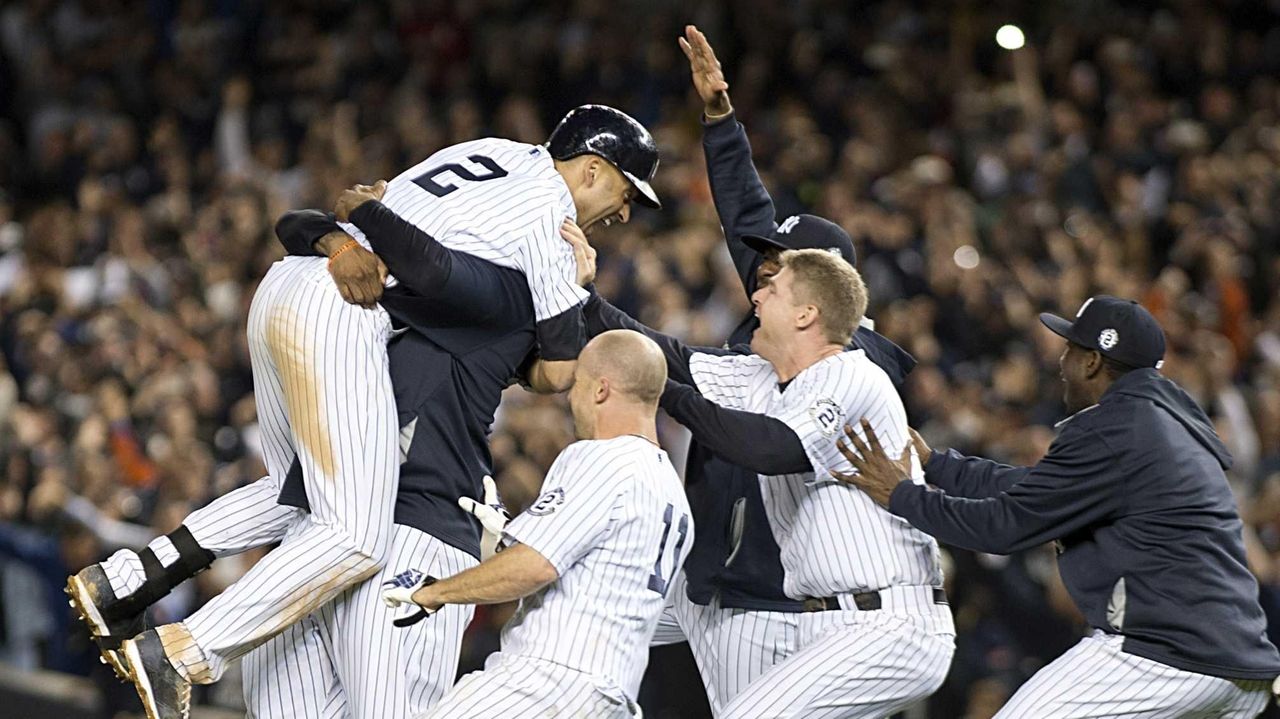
631,363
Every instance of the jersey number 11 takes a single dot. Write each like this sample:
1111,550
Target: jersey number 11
659,580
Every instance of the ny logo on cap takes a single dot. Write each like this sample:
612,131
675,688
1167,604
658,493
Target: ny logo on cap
788,224
1108,338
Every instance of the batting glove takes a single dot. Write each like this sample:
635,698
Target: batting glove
399,591
492,515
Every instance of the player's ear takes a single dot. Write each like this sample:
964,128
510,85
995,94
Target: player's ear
1092,364
593,171
602,391
806,316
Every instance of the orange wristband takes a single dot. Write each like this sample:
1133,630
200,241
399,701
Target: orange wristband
345,246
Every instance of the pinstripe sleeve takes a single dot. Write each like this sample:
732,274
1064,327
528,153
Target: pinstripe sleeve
553,280
817,420
725,379
842,397
575,511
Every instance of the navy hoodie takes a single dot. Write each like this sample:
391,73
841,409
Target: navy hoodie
1134,492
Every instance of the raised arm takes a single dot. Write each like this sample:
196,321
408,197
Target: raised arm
741,200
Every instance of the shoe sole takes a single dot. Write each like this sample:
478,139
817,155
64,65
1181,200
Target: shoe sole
141,682
82,602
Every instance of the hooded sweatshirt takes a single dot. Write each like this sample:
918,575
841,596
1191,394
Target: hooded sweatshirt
1133,493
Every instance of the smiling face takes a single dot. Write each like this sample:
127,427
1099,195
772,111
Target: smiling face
604,195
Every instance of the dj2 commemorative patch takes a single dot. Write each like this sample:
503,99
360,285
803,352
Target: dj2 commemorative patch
549,502
828,415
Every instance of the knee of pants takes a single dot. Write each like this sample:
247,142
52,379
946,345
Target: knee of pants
365,555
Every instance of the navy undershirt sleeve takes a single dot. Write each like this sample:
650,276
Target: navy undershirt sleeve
757,442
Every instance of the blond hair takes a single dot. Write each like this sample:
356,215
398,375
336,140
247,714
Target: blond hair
826,281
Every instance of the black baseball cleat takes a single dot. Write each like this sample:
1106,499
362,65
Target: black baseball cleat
92,598
164,692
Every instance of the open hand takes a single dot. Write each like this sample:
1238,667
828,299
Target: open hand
708,78
877,475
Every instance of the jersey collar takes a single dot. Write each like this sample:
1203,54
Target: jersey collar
548,168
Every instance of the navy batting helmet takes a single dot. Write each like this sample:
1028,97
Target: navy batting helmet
613,135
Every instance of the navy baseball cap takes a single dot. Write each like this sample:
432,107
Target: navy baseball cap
804,232
1122,330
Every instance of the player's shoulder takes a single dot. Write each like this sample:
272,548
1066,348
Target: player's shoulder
729,362
591,456
853,370
493,147
617,460
847,384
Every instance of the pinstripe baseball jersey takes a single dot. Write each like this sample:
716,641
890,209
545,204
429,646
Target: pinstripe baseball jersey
504,202
834,538
614,522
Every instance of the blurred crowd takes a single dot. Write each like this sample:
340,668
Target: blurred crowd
146,148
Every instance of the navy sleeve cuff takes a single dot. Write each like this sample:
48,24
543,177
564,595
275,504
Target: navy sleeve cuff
937,461
720,122
905,496
562,337
298,231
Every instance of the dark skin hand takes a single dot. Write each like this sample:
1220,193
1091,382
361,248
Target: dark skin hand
708,77
359,274
878,474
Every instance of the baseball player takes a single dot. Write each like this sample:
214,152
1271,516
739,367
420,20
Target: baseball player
591,561
582,177
1149,538
731,606
875,633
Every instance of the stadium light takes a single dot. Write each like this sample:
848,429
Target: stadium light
1010,37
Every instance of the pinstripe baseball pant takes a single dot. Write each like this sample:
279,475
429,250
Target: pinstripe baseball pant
732,647
516,686
334,662
851,664
1096,678
346,659
323,392
240,520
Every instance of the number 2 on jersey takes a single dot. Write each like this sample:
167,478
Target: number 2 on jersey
659,580
427,180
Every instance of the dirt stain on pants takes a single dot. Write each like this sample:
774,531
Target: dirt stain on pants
293,355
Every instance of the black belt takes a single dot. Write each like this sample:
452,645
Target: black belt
866,601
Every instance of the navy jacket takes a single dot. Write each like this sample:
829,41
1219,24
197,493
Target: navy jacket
1133,490
472,327
735,554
